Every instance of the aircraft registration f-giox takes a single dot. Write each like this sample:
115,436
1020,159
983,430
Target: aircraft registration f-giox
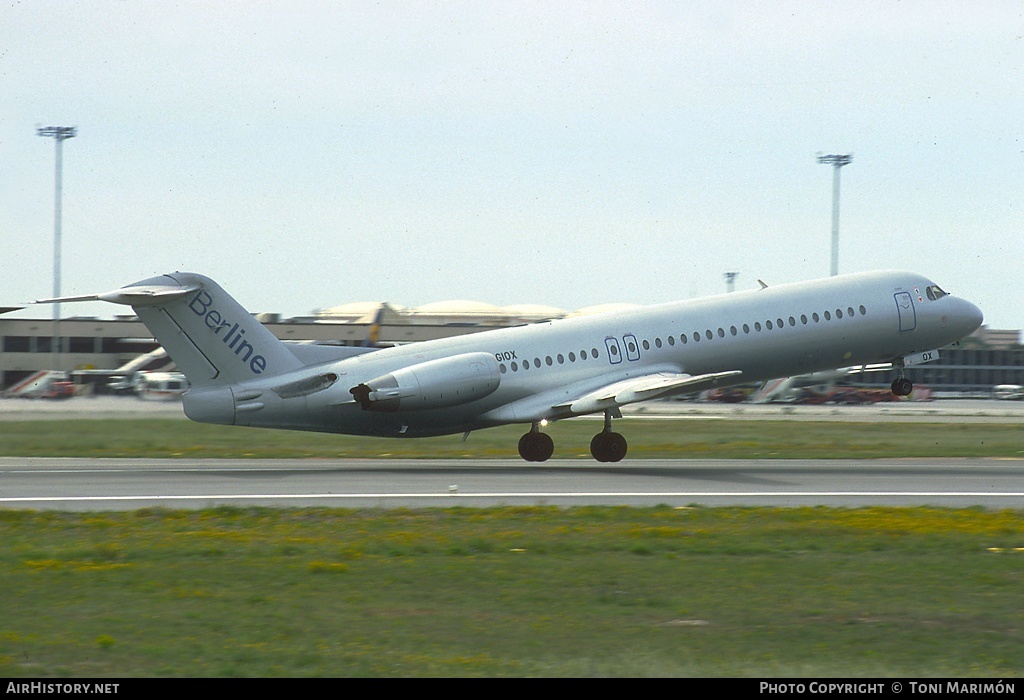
241,374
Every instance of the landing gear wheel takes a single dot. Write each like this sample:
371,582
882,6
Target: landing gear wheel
536,446
901,386
608,447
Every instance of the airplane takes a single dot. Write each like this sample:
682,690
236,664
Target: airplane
241,374
785,388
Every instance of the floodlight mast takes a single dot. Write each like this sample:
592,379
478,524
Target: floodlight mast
836,161
59,134
730,281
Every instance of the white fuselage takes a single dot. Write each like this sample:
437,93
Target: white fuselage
763,334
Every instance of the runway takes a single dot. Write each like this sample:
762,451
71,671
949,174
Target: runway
125,484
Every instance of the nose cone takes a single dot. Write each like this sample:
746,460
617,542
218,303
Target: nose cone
965,318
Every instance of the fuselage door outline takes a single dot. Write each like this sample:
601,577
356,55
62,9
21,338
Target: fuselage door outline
614,351
906,311
632,347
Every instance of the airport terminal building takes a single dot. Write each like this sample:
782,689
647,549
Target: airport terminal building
93,346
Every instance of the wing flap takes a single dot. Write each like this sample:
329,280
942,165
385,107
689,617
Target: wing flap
648,386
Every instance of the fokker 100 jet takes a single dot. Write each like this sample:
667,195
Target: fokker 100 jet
241,374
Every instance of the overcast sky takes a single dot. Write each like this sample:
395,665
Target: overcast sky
307,154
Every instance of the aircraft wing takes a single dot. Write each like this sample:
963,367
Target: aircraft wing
642,388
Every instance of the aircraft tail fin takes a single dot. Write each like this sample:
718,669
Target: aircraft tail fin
373,332
208,334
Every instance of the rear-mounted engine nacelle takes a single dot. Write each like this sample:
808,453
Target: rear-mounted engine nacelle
449,381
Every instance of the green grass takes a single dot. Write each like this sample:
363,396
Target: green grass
596,591
761,592
647,438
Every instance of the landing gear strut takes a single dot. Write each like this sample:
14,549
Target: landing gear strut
901,386
606,445
536,446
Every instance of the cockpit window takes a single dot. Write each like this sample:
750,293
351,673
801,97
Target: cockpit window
935,292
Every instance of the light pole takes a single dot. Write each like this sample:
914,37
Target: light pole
730,281
836,161
58,134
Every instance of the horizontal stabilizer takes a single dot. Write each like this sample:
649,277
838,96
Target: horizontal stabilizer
643,388
61,300
140,295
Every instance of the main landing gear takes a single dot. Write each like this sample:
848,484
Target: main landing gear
606,446
536,446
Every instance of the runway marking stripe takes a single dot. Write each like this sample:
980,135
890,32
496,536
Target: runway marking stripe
548,494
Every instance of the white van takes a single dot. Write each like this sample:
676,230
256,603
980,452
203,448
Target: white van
161,386
1008,392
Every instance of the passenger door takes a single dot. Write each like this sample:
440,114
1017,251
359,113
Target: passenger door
905,308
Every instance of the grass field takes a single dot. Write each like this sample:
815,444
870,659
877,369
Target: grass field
593,591
513,592
647,438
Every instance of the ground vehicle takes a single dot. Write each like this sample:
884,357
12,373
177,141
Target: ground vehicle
1008,392
57,390
44,384
166,386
